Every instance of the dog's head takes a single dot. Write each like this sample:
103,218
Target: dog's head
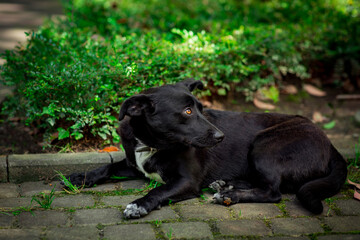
171,115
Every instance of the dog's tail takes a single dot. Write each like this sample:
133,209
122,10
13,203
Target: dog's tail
311,193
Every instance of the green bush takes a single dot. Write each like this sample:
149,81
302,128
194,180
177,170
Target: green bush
74,72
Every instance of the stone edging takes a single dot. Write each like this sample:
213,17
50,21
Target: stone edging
34,167
19,168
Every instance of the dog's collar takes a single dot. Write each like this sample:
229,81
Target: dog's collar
141,147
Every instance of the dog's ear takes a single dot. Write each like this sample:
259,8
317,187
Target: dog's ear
135,106
191,84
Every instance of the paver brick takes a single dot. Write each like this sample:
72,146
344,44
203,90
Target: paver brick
343,224
95,216
75,201
134,184
8,203
256,210
122,201
340,237
73,233
206,211
6,220
295,209
285,238
129,232
9,190
165,213
296,226
107,187
29,189
348,207
19,234
187,230
42,218
243,227
3,169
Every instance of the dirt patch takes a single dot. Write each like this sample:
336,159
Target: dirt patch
17,138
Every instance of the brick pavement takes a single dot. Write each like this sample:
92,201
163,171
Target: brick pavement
97,214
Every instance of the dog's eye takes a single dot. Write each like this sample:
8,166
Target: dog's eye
188,111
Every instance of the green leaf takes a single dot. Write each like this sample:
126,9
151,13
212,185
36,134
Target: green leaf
112,118
221,91
122,148
329,125
77,125
63,133
102,135
272,93
77,135
115,135
51,121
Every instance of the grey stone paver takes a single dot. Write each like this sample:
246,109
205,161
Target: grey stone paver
42,218
189,220
33,188
165,213
134,184
343,224
296,226
96,216
122,201
129,232
187,230
285,238
73,233
349,207
9,190
204,212
107,187
340,237
3,164
20,234
75,201
295,209
8,203
256,210
6,220
243,227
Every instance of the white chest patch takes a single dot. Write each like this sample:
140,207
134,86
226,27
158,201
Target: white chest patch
143,154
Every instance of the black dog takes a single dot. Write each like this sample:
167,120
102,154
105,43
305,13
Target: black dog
246,157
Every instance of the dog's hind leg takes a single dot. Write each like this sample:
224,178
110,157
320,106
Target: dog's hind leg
266,188
312,192
102,174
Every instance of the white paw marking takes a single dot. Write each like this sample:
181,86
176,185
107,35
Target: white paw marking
133,211
217,185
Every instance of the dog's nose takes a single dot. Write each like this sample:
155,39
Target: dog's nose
219,136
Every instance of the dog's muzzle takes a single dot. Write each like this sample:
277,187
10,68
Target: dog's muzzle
218,136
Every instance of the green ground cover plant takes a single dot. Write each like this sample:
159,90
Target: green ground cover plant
45,199
74,72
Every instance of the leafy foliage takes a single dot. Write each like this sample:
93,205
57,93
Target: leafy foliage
74,72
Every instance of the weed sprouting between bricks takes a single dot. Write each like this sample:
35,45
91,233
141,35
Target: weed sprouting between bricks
45,199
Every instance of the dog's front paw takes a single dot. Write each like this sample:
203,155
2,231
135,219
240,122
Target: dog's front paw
134,211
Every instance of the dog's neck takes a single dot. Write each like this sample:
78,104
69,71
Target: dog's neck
141,147
143,154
